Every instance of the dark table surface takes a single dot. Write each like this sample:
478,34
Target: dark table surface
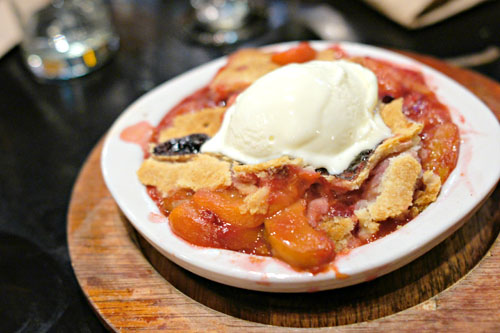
47,130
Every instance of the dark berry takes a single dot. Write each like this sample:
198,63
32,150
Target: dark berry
179,146
322,171
387,99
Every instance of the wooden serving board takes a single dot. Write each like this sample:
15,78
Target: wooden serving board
454,287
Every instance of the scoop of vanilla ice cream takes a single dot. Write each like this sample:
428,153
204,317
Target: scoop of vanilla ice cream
320,111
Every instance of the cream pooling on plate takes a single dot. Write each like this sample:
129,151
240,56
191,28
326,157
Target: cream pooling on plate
320,111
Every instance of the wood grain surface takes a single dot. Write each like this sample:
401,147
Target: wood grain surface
454,287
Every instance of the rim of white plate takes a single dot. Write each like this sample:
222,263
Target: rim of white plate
475,176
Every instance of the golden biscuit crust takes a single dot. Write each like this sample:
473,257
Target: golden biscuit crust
202,171
432,183
206,121
395,192
328,55
271,164
242,69
256,202
339,230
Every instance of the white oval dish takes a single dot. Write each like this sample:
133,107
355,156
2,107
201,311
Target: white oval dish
475,176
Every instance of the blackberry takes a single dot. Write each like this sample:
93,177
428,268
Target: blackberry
322,171
387,99
180,146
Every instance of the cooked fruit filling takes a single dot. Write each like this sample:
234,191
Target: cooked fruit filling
274,197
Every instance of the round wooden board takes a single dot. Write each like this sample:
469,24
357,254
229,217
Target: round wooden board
454,287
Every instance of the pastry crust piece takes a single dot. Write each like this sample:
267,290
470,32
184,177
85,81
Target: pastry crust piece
393,117
242,69
171,158
405,137
367,226
339,230
329,55
271,164
206,121
395,192
256,202
202,171
432,183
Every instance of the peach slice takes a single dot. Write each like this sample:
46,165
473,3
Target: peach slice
293,240
187,222
226,205
299,54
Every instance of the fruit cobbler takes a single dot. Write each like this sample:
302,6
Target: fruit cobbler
277,198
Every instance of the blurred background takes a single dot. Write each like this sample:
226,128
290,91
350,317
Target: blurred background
49,124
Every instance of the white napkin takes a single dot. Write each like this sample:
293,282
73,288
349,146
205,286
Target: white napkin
10,22
10,31
419,13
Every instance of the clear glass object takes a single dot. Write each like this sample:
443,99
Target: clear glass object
221,15
223,22
67,38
